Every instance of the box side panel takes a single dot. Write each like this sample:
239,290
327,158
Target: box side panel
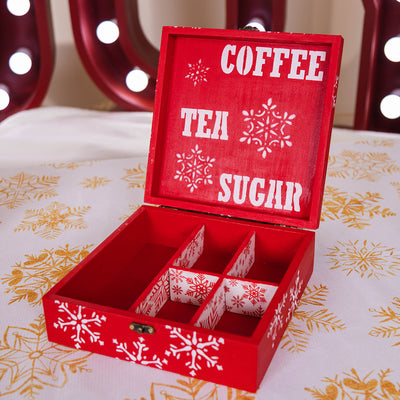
197,353
284,305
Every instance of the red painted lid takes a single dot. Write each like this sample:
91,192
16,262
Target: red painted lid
242,123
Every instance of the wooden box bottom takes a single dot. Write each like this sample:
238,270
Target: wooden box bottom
203,296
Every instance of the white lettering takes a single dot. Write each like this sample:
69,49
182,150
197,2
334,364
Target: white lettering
239,198
278,195
300,61
296,196
260,60
221,125
189,114
227,69
205,119
294,73
256,199
224,179
204,115
278,61
314,64
271,192
236,188
244,60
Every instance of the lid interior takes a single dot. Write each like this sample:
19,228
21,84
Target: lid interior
242,123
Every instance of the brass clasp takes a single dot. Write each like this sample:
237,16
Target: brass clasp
141,328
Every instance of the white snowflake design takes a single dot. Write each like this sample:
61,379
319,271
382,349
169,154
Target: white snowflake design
254,293
199,287
195,350
138,354
194,168
277,321
265,128
81,323
293,297
197,72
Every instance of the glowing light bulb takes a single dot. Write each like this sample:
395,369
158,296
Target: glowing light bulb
20,62
392,49
18,7
256,23
390,106
137,80
4,97
107,32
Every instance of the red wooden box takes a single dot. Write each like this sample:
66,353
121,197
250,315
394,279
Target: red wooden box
241,128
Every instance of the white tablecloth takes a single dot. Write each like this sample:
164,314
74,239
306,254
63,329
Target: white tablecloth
69,177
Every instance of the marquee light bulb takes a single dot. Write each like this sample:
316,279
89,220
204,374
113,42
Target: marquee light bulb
390,106
18,7
256,23
137,80
20,62
4,97
107,32
392,49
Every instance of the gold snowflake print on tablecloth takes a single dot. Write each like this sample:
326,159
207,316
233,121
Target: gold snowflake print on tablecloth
367,259
19,188
132,209
354,211
377,142
310,315
136,177
71,164
29,363
195,389
389,322
50,222
396,185
95,182
357,165
352,386
31,279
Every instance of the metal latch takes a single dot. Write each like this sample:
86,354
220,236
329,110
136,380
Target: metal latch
141,328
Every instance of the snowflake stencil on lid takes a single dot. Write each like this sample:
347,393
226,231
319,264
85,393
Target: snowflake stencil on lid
195,350
82,324
265,128
194,168
197,72
138,353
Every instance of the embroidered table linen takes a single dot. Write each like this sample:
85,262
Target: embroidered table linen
343,341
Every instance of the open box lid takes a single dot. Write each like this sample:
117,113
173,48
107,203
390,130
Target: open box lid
242,123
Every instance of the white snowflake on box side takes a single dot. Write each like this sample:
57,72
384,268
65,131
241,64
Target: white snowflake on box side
194,168
277,321
265,128
137,354
80,322
197,72
195,350
293,298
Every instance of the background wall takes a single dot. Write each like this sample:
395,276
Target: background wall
71,86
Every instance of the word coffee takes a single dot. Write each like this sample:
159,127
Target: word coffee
245,61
